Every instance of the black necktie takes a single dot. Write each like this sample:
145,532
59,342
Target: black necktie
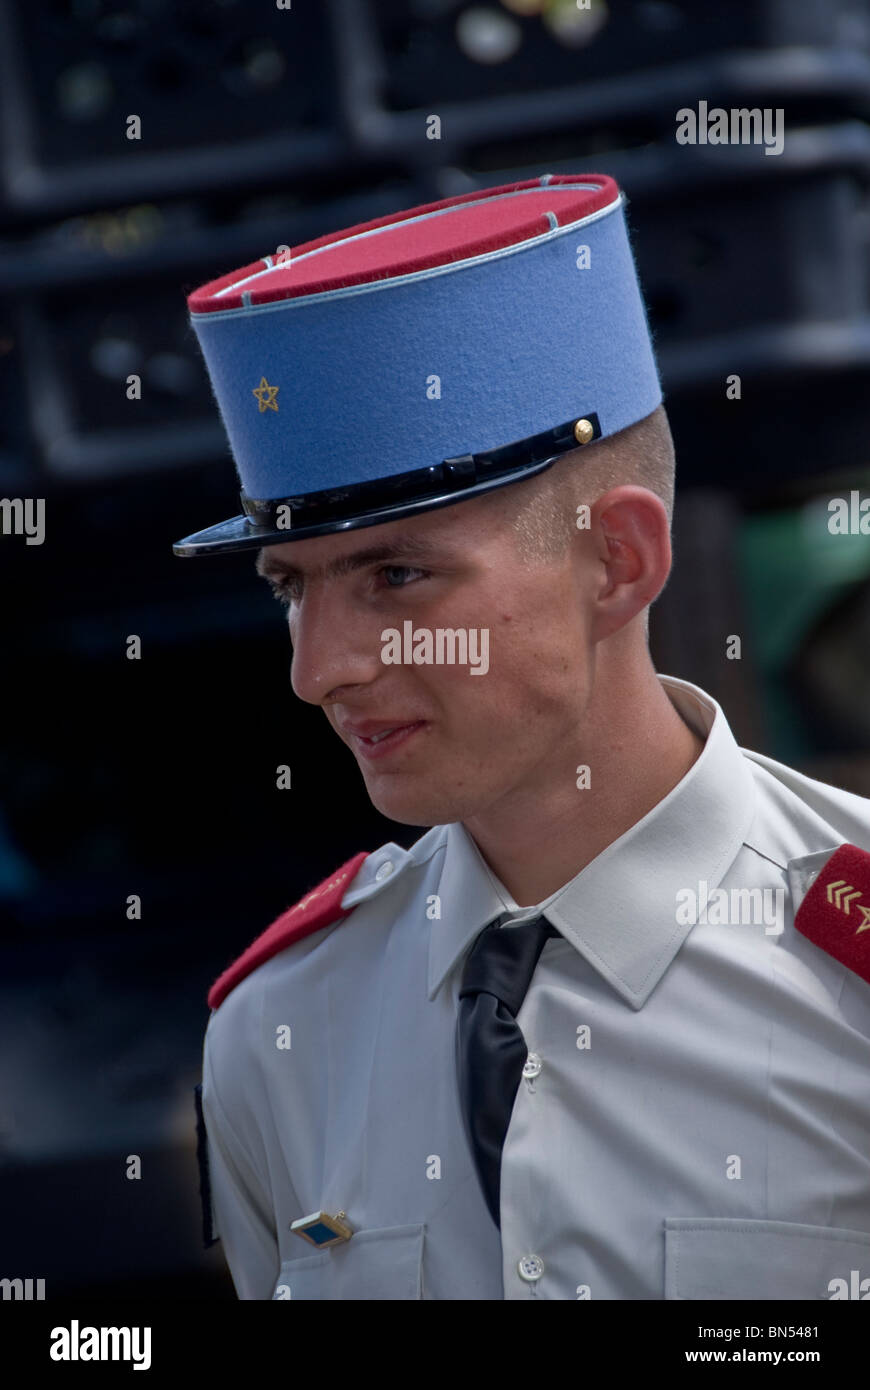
490,1048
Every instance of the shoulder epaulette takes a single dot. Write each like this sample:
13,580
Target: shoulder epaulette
835,914
317,909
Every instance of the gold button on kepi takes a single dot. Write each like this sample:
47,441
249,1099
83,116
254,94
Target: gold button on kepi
321,1229
583,431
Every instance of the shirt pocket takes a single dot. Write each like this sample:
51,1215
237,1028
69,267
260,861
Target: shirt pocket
383,1263
725,1257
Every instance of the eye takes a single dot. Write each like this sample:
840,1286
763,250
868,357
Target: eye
401,570
287,591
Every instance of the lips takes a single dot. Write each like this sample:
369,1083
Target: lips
374,729
376,738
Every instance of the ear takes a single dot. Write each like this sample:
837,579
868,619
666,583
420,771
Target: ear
632,536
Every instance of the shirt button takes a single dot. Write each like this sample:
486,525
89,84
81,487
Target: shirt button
532,1066
530,1267
384,871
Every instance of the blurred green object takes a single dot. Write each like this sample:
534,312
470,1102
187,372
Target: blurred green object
793,569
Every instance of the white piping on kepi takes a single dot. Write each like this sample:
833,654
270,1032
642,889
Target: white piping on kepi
348,290
405,222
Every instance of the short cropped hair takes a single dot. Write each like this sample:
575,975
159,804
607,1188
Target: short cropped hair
546,510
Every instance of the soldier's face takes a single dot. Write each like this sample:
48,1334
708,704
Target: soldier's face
374,618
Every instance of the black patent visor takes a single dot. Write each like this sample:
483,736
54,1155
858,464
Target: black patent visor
358,505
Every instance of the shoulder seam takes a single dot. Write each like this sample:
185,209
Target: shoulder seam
317,909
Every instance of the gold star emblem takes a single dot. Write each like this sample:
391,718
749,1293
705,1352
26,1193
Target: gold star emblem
866,923
266,395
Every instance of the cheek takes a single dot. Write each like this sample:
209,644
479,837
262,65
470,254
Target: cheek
539,639
530,688
538,668
534,655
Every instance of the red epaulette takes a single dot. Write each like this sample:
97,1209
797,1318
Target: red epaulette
317,909
835,914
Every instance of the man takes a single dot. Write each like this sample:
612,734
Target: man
572,1044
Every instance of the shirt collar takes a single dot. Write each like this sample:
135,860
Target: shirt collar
620,911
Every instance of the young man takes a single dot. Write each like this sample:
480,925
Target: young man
573,1043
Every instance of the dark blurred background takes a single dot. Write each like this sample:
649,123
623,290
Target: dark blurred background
264,127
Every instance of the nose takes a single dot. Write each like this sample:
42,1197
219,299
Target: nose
334,645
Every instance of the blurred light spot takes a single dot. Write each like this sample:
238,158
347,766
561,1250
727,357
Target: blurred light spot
575,28
115,358
111,235
143,224
118,233
172,373
84,92
263,65
487,36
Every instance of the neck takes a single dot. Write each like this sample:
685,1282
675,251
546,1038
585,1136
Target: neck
637,749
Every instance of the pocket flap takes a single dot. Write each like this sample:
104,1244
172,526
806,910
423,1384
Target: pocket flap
727,1257
383,1263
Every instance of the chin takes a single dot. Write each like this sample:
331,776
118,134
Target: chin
420,806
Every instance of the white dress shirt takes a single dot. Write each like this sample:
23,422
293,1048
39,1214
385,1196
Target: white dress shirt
695,1118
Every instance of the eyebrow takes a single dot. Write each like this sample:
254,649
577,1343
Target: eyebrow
269,567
